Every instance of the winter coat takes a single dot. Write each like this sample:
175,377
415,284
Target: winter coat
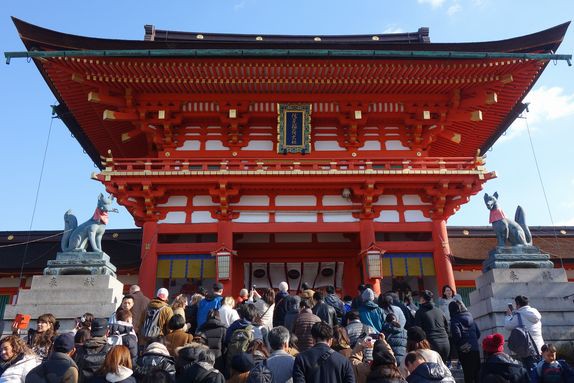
430,372
302,329
281,365
396,338
152,359
464,331
215,331
372,315
20,367
531,319
312,367
502,365
227,315
265,313
90,357
124,375
139,308
385,374
59,367
280,308
335,302
164,316
292,306
191,317
175,339
128,335
200,372
211,302
326,313
443,304
428,355
398,314
432,320
356,329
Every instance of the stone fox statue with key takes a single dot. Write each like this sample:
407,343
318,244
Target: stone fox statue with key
516,232
76,237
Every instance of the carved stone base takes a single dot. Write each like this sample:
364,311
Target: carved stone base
517,257
81,263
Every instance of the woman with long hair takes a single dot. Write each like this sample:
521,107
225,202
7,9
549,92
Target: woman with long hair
341,341
117,367
42,339
384,366
17,359
179,304
265,307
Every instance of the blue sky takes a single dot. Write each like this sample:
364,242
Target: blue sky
25,98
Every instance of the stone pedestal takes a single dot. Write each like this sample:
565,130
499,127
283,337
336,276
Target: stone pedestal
522,257
80,263
67,297
548,291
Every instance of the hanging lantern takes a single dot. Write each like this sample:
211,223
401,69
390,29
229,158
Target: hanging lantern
373,260
223,262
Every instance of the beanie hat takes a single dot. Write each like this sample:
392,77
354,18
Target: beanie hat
416,334
283,286
162,294
242,362
368,295
64,342
493,343
427,295
157,348
99,327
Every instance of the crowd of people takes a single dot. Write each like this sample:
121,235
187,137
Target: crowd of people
276,336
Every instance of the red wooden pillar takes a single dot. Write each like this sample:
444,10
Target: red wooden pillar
148,267
367,233
441,256
225,239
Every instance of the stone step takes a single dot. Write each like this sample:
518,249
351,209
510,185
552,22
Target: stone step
521,276
75,282
500,304
85,297
536,291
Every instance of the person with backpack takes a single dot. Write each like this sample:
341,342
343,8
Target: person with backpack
465,334
324,311
140,306
386,303
122,333
155,357
551,370
214,331
321,363
155,320
499,366
211,302
240,334
91,356
59,367
526,326
202,370
396,337
279,365
333,300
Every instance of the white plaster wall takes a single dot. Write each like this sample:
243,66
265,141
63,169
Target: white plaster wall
413,199
175,200
259,145
336,200
386,200
252,217
214,145
336,216
190,145
174,217
324,146
203,200
295,200
253,200
395,145
287,216
388,216
371,145
202,217
415,216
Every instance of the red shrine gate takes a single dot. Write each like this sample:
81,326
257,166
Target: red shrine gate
253,159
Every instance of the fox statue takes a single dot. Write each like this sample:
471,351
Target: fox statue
516,232
76,237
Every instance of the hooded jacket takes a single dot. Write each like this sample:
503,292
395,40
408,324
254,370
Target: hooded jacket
280,308
531,319
164,316
396,338
175,339
502,365
432,320
430,372
335,302
302,329
59,367
155,357
16,372
124,375
372,315
464,330
215,332
126,331
326,312
201,372
292,305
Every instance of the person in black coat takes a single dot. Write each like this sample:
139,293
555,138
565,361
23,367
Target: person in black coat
155,357
432,320
465,335
122,332
214,332
422,371
396,337
202,369
324,311
280,305
321,363
498,366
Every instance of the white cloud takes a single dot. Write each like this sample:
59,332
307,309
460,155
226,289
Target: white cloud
546,104
432,3
393,28
454,9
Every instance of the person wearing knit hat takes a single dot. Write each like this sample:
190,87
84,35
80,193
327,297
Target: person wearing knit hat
499,366
370,312
59,365
435,325
155,356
